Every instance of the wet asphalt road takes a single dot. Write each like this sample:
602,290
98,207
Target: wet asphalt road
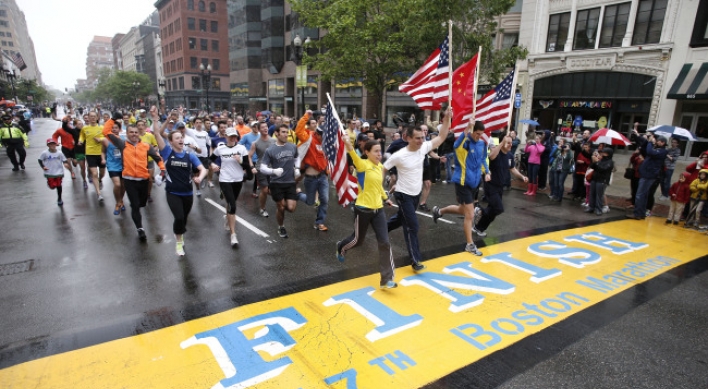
81,277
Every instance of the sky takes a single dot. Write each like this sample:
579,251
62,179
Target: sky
62,30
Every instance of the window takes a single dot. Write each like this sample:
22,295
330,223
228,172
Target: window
216,83
178,25
215,64
2,33
510,40
586,29
699,38
204,44
170,30
193,62
202,25
178,44
214,26
173,66
172,47
650,19
4,43
205,62
181,83
9,35
202,6
4,23
558,26
180,64
3,13
190,24
193,43
215,46
614,25
212,7
174,84
190,5
196,82
11,44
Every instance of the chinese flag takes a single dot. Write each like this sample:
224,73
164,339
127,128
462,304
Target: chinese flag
463,95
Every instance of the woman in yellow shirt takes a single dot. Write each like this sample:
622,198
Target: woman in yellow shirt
369,209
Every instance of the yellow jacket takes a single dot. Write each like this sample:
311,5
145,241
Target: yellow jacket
699,189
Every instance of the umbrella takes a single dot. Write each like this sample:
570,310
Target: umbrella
610,137
672,131
530,122
8,103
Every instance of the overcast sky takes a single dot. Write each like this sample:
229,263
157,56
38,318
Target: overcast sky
62,30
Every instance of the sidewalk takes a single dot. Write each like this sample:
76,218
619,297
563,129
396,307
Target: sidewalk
620,190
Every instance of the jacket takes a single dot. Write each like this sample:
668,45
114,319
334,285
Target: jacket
12,135
534,150
654,162
472,157
699,189
314,155
603,170
681,191
566,161
581,168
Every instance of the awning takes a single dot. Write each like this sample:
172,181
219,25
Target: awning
691,83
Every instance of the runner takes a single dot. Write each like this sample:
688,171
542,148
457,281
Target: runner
80,151
112,157
148,138
258,148
65,136
202,139
51,161
135,173
90,137
179,164
232,157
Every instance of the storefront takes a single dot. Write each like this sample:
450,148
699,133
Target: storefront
690,89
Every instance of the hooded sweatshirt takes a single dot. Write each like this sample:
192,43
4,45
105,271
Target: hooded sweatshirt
699,188
603,168
680,191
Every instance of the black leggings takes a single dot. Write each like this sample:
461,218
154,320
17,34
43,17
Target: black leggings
180,207
137,191
231,190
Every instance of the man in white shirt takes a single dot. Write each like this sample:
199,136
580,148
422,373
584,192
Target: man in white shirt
409,164
202,139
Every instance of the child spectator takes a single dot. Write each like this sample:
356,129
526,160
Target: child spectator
680,195
699,195
52,162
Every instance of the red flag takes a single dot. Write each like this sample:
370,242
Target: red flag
493,109
333,147
429,85
463,95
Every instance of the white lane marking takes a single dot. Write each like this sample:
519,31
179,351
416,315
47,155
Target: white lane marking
430,216
238,219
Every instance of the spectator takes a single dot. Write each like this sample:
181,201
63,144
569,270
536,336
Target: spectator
672,154
649,172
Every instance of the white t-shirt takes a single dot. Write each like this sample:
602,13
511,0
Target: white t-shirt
188,142
202,138
54,162
231,170
410,168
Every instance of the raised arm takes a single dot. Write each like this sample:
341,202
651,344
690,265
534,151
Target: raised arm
444,129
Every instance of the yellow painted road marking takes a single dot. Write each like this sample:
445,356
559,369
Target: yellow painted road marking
352,334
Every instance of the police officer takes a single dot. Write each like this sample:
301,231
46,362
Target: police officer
15,141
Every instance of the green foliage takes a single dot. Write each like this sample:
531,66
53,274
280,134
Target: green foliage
118,86
26,87
376,41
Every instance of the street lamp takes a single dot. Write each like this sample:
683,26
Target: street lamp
298,54
206,82
136,85
160,87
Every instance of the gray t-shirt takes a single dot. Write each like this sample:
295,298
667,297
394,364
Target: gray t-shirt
261,147
281,157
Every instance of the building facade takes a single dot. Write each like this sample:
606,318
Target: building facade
604,63
99,55
15,38
194,33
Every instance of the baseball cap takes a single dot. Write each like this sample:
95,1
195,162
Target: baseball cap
366,124
180,125
362,137
231,132
50,140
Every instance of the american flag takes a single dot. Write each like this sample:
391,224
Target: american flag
333,146
19,61
493,109
429,85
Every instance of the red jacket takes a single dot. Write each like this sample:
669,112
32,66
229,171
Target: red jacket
693,168
680,191
581,168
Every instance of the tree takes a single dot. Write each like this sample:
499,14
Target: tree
120,86
377,41
26,87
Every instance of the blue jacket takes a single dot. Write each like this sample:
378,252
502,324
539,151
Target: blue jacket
653,162
473,156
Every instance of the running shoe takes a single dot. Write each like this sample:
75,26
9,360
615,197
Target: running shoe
199,193
15,169
436,214
477,216
22,166
471,248
60,203
211,184
388,285
100,198
479,233
321,227
90,179
117,210
423,207
203,184
234,241
141,234
100,185
85,185
418,266
254,195
122,207
263,213
340,256
282,232
180,248
317,203
606,209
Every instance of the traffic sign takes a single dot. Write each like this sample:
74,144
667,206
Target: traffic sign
517,100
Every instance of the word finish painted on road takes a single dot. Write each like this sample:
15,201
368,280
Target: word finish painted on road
350,334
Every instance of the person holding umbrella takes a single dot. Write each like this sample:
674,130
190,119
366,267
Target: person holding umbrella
649,172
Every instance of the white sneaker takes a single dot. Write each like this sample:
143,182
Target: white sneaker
180,248
234,241
606,209
263,213
100,198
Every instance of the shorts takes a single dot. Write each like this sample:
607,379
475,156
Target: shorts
95,161
115,174
205,162
465,194
53,182
80,156
283,191
151,165
68,153
427,176
263,180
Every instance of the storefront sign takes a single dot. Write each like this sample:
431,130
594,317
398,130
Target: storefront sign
585,104
593,63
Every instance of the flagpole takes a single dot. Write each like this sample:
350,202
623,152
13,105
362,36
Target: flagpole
513,97
334,112
476,84
449,62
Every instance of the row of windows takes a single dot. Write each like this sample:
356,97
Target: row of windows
6,43
204,44
202,6
167,12
7,34
176,65
177,83
591,34
171,28
4,23
192,25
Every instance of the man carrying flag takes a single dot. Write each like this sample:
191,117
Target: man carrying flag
333,147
